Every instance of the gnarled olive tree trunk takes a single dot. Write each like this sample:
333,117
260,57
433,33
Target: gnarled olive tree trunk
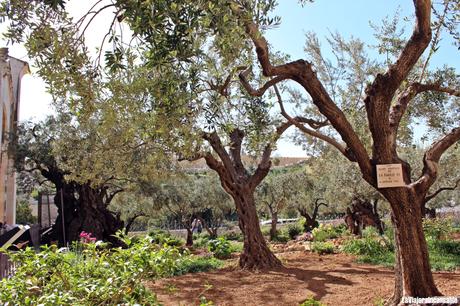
93,216
256,254
273,225
82,207
240,185
413,272
387,99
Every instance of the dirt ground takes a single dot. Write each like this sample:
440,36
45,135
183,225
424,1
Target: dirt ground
332,279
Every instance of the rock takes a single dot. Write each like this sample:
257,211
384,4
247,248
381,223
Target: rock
305,237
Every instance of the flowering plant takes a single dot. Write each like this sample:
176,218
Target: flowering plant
86,237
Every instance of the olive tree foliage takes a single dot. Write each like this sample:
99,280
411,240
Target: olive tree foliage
400,91
272,195
82,206
190,53
338,182
184,198
446,191
210,202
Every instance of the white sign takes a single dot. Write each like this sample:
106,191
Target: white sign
390,175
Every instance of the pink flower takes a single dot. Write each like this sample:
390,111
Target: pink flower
86,237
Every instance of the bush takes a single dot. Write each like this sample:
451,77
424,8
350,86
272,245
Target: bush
233,235
194,264
236,246
90,274
444,255
164,238
201,242
311,302
322,247
293,230
24,213
220,247
281,237
324,232
368,245
438,228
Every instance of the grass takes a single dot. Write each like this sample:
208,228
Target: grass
373,249
195,264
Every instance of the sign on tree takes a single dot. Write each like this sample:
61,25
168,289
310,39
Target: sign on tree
390,175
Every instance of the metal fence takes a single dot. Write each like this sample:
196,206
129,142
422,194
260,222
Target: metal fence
7,267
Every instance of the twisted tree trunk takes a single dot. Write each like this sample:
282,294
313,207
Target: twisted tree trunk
274,219
189,239
412,269
93,216
256,254
240,185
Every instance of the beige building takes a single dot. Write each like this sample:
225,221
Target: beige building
11,72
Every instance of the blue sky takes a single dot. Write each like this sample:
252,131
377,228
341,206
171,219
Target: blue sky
348,17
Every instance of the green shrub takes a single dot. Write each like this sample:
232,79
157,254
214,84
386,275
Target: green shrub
90,274
220,247
201,242
265,230
368,246
233,235
293,230
444,255
89,277
236,246
164,238
324,232
438,228
322,247
281,237
193,264
311,302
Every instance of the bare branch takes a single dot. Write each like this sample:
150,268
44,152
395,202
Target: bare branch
214,140
297,121
194,157
112,195
92,18
258,92
217,166
262,169
388,83
90,11
236,138
434,194
101,47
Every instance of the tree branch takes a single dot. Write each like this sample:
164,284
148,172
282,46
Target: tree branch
431,160
399,109
258,92
112,195
297,122
217,166
434,194
92,18
262,168
388,83
214,140
302,72
236,139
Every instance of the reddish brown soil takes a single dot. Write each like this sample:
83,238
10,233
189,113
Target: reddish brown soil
332,279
